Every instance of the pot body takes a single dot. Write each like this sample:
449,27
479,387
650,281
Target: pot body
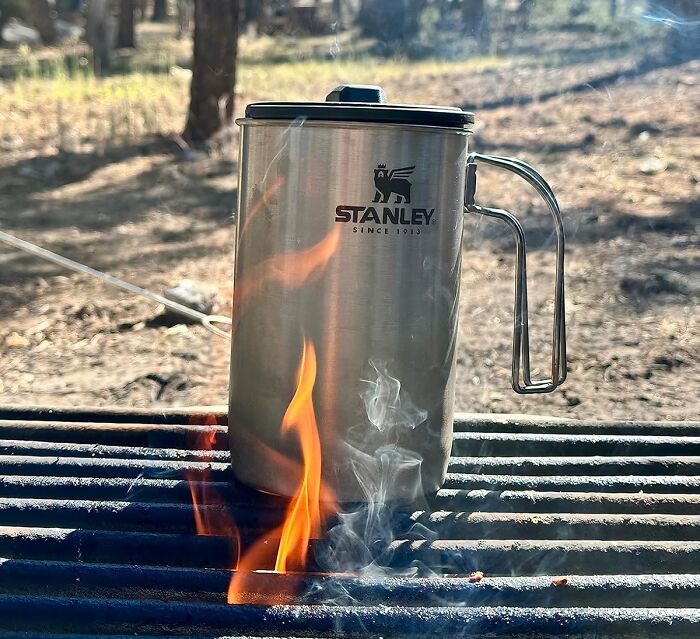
348,237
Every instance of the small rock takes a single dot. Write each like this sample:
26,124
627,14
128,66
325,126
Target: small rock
180,72
571,399
178,329
476,577
588,140
15,340
668,362
11,142
636,130
560,581
652,166
654,283
16,34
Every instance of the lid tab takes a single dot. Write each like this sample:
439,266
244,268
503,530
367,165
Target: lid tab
369,93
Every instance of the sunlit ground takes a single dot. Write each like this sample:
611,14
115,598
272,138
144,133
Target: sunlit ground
93,168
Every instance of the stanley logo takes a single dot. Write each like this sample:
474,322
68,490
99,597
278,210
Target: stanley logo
387,183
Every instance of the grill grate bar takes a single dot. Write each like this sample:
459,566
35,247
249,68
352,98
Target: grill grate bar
179,518
96,615
128,468
652,465
100,451
43,635
493,557
505,423
496,444
145,430
613,483
647,465
529,501
175,491
143,582
174,436
176,469
132,515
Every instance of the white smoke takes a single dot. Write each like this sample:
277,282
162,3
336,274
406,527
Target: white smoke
388,407
360,540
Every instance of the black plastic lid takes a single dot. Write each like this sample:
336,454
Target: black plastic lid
361,103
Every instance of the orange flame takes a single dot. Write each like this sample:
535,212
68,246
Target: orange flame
211,515
285,547
303,520
289,269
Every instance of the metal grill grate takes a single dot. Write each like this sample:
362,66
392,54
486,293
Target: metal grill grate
97,534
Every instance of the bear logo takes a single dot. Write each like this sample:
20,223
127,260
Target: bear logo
395,181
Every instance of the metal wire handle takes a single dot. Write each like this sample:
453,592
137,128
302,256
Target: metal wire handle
522,381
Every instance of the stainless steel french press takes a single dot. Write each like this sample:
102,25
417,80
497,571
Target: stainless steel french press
350,223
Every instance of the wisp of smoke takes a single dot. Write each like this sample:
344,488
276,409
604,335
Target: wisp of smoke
359,542
388,407
667,17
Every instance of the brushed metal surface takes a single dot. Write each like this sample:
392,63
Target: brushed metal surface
387,301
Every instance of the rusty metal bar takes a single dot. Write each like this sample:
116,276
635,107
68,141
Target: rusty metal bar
112,615
98,546
127,468
595,483
494,557
568,502
141,582
178,491
130,419
217,415
111,488
127,515
469,444
527,557
489,525
174,469
101,451
112,433
124,515
654,465
63,635
507,423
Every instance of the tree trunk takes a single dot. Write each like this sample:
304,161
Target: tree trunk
160,13
99,33
40,15
394,23
251,12
141,9
475,19
213,69
126,38
185,13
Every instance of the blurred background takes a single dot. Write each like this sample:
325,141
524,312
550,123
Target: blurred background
117,149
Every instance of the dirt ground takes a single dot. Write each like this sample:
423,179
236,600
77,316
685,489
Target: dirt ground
615,133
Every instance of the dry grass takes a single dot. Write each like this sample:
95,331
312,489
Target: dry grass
65,109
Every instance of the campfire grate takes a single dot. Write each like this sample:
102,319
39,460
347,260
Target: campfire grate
97,534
